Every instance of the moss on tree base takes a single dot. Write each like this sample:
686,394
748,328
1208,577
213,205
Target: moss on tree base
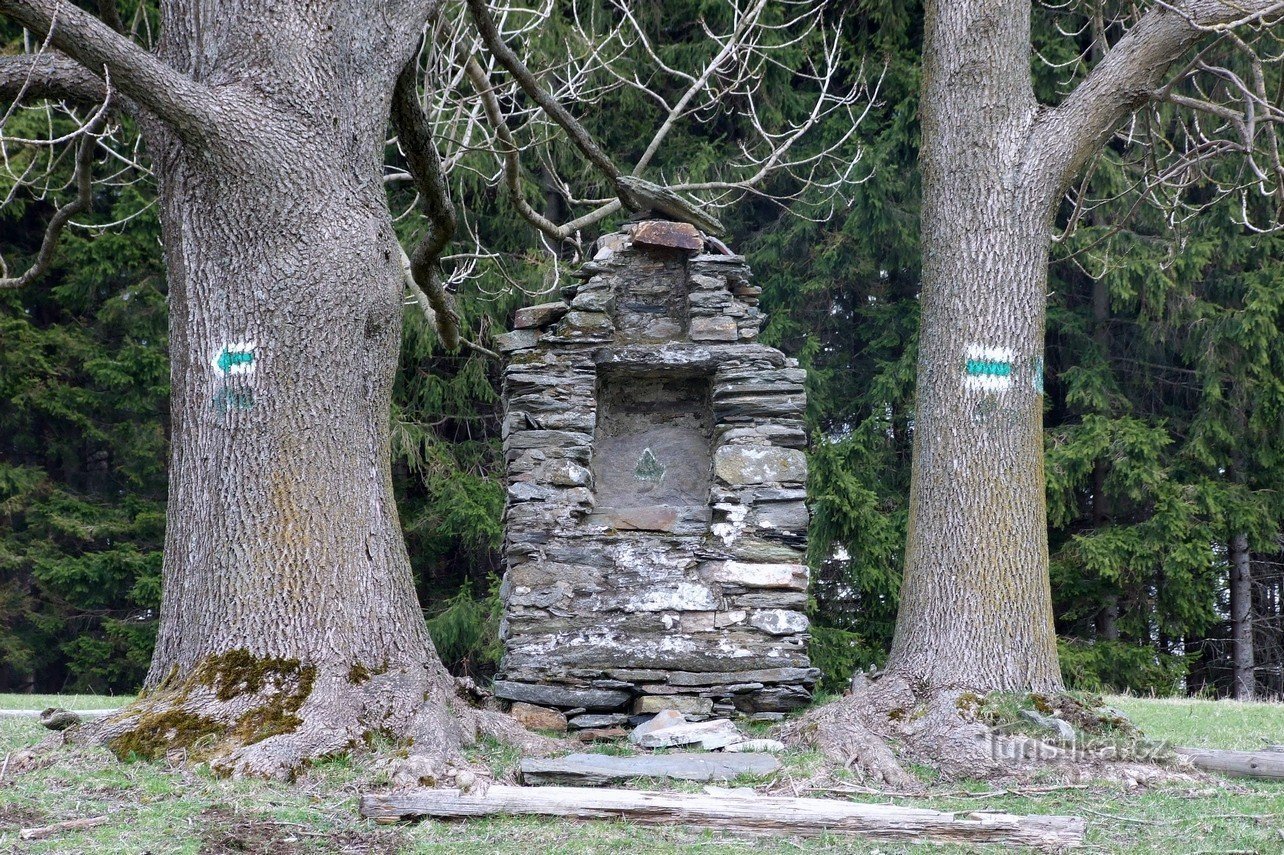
231,700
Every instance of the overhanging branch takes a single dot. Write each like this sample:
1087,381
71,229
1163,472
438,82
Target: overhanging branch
554,110
1125,79
417,145
83,180
50,76
174,98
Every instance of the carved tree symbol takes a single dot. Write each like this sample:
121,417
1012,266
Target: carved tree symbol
649,468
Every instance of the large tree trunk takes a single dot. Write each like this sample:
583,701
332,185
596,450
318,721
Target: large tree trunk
1241,613
976,608
289,623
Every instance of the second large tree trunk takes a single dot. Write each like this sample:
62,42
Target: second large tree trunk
976,609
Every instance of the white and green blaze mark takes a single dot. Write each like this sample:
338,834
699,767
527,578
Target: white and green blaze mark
233,365
988,368
235,358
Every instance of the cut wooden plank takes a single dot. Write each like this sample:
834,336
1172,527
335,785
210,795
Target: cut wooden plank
1244,764
595,769
756,815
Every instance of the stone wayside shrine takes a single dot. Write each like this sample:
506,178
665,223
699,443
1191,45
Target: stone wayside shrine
655,519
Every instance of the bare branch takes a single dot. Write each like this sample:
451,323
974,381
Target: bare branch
415,136
514,65
508,151
83,180
733,42
181,103
504,128
1126,78
49,76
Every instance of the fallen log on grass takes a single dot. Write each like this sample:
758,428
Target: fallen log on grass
1244,764
748,814
43,831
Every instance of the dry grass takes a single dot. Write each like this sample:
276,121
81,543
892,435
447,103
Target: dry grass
163,809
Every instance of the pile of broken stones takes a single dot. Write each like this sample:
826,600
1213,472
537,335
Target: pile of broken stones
710,750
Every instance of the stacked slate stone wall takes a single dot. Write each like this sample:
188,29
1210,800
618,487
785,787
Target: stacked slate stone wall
655,525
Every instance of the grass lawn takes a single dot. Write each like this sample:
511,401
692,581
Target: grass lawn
160,809
70,702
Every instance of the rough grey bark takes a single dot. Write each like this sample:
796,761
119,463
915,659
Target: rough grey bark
976,609
976,606
289,624
1241,613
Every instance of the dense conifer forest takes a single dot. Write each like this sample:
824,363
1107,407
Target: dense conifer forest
1164,413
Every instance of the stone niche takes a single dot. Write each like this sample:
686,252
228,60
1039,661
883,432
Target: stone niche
655,523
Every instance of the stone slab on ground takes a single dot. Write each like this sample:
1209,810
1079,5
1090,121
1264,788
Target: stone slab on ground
768,746
711,735
597,769
661,720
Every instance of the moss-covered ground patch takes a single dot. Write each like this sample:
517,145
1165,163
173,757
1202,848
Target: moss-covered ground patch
158,808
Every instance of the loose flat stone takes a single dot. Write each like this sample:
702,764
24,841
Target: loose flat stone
764,746
516,340
668,234
598,720
661,720
597,769
710,735
538,316
532,717
560,696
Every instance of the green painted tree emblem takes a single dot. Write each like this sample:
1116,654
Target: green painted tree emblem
649,468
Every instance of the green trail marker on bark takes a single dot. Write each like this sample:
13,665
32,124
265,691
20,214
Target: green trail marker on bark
235,358
988,368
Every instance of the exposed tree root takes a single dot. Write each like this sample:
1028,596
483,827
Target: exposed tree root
269,718
884,726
